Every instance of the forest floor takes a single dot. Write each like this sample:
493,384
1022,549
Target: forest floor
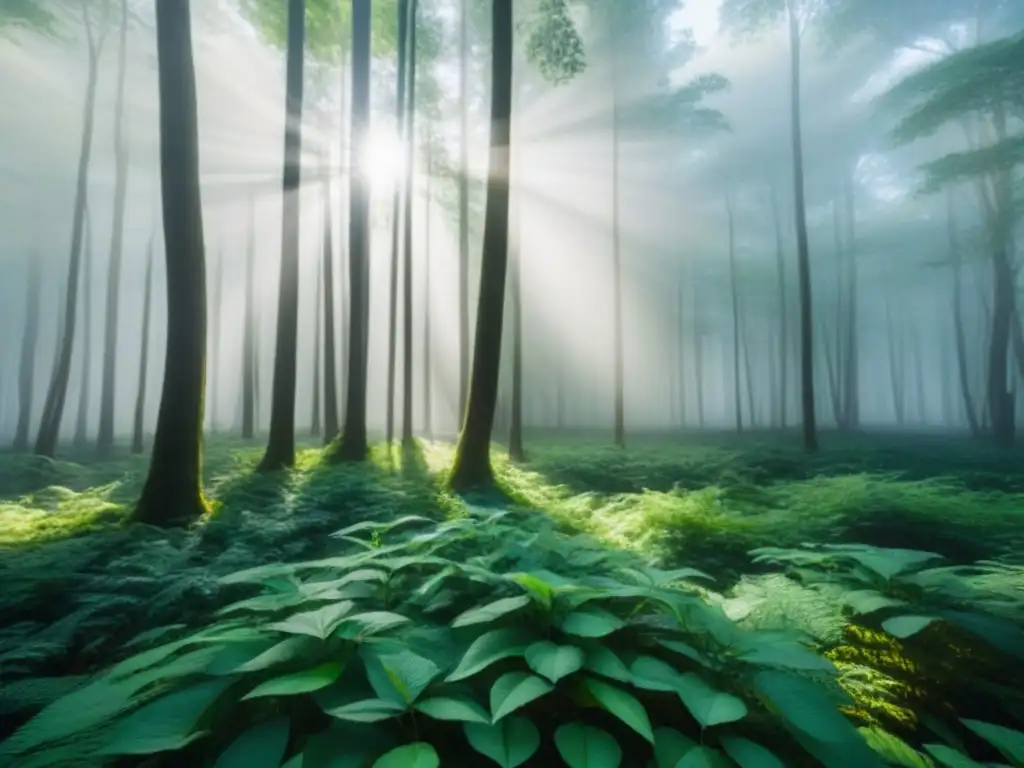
77,583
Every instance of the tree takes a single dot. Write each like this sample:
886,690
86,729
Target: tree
29,342
749,16
463,180
147,311
213,377
249,371
105,436
280,451
33,15
173,491
735,297
353,439
407,426
82,419
330,384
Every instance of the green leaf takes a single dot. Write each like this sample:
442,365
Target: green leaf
491,647
554,661
289,649
950,758
262,746
653,674
400,677
306,681
510,742
707,705
367,710
452,708
514,690
749,754
584,746
319,623
541,592
670,746
485,614
623,705
907,626
805,705
605,662
1009,742
894,750
702,757
790,655
591,622
865,601
363,625
419,754
165,724
686,650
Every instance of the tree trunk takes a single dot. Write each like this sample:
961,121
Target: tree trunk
82,420
407,429
748,370
780,271
140,397
835,354
214,367
810,430
173,492
249,331
27,359
896,364
53,409
698,355
401,74
281,442
463,209
515,436
851,404
330,383
472,465
962,368
681,351
922,399
105,435
428,426
734,292
344,200
353,443
314,416
620,365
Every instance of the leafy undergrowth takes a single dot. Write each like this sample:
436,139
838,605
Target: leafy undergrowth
78,586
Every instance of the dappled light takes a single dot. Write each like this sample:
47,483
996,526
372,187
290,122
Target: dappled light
597,383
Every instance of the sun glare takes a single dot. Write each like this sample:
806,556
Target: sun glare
385,159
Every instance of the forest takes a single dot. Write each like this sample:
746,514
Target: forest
588,383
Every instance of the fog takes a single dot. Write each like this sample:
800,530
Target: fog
674,183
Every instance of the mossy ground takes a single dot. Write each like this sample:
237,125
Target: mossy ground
78,582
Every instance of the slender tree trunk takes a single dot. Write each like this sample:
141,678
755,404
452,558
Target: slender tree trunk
407,329
472,466
344,200
249,331
780,271
830,356
922,399
896,364
428,426
698,355
281,442
963,372
173,492
330,383
402,75
353,443
851,405
27,359
810,430
214,365
314,417
53,409
620,365
515,437
837,363
140,397
105,435
463,208
734,292
82,421
748,369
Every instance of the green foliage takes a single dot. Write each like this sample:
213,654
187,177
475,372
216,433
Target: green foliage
552,43
34,15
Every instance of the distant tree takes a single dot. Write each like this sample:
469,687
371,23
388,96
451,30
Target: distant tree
82,418
29,343
410,139
280,451
213,375
330,369
173,491
249,368
138,429
32,15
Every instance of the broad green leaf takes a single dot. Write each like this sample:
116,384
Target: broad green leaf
686,650
890,562
670,746
233,655
553,661
584,746
306,681
272,601
452,708
623,705
894,750
865,601
485,614
491,647
950,758
514,690
419,754
363,574
363,625
749,754
653,674
367,710
805,705
289,649
295,761
604,661
1009,742
708,705
591,622
702,757
401,676
319,623
262,746
165,724
791,656
542,592
510,742
907,626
